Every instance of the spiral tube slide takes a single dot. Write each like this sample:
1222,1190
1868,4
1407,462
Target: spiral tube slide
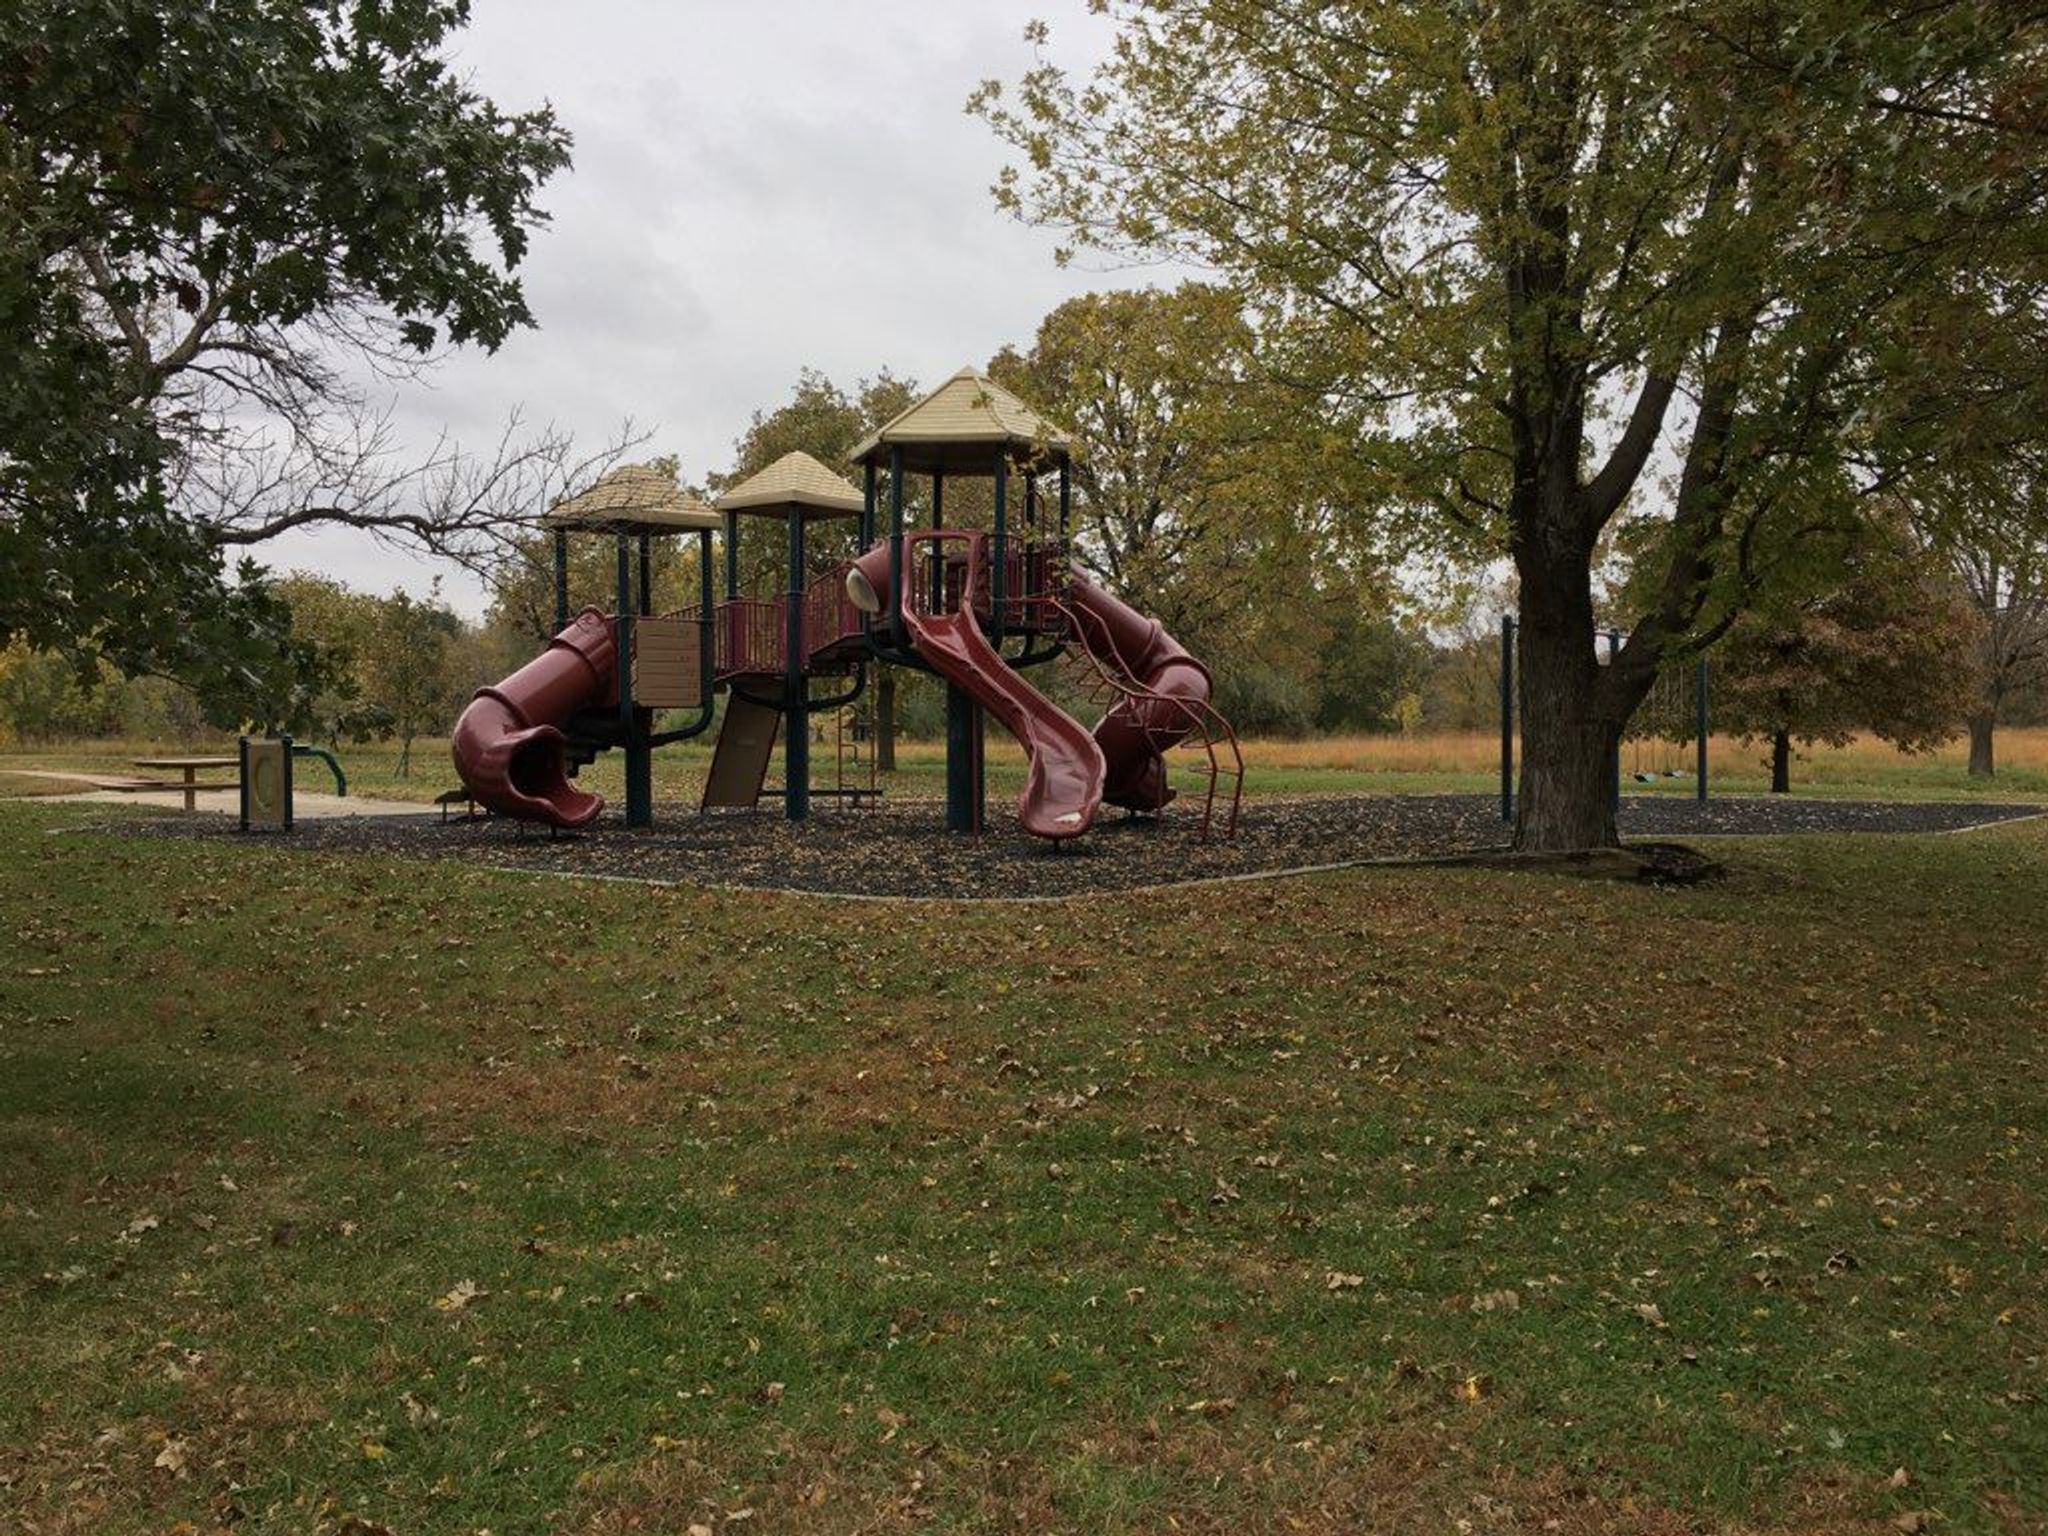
508,745
1141,728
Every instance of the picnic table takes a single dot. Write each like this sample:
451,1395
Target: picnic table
191,767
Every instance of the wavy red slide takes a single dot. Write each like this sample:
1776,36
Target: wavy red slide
509,747
1063,785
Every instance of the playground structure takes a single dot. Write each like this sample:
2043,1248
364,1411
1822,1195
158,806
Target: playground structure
1673,716
978,608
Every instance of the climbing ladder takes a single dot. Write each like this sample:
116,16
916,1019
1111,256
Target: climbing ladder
853,738
1107,679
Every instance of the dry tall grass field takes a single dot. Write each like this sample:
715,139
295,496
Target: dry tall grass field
1479,752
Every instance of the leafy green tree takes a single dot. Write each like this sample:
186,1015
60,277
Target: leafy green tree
403,668
338,621
1184,502
820,418
1892,648
207,209
1992,523
1541,264
45,697
1369,665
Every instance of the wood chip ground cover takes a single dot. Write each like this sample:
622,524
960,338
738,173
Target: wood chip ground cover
902,850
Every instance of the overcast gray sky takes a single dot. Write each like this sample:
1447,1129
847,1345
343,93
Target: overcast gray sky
757,188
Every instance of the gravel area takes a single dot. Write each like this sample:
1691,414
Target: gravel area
901,849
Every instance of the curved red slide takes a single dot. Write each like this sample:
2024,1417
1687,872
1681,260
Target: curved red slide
1141,728
1063,787
508,745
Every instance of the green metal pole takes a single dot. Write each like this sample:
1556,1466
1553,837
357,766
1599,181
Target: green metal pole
639,756
732,556
796,745
938,566
707,639
1507,717
561,580
1699,725
999,577
898,633
1614,655
962,719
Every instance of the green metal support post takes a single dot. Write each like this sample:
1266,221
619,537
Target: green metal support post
1507,717
1613,656
796,740
964,724
1699,726
707,637
561,580
938,566
999,577
899,634
639,756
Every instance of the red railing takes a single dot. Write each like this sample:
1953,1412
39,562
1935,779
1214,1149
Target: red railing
1034,578
830,617
1034,584
753,632
750,634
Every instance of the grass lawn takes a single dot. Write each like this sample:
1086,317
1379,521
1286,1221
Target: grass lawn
350,1196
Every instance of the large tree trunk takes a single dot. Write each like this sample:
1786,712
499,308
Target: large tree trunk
1571,723
1781,762
885,719
1983,761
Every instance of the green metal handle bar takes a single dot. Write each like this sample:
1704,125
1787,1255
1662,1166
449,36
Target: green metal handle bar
327,757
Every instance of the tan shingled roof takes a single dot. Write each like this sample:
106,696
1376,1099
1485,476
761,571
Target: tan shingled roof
633,496
970,408
794,479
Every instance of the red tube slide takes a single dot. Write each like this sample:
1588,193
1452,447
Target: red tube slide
508,745
1063,786
1173,689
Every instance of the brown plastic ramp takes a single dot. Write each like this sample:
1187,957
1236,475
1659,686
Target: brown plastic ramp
746,738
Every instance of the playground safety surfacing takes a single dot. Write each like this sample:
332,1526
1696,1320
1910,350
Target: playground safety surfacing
901,851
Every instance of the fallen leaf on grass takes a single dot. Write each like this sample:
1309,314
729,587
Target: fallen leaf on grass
1336,1281
464,1293
172,1457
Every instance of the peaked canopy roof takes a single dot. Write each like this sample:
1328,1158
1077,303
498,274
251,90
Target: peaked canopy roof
632,498
794,480
961,425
